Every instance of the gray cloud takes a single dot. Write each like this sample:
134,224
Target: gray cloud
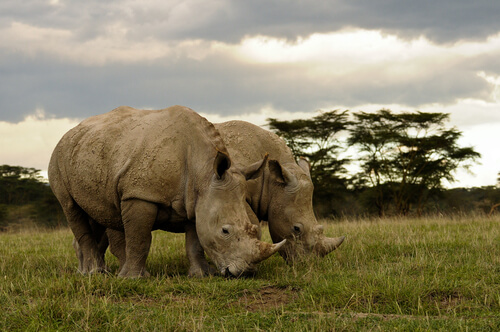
216,85
222,84
443,21
440,21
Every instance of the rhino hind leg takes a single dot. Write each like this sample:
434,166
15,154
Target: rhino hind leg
90,259
198,265
79,254
117,246
99,233
138,220
101,239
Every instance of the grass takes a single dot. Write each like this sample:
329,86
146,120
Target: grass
420,274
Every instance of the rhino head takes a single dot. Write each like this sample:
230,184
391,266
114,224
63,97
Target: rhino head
290,212
223,225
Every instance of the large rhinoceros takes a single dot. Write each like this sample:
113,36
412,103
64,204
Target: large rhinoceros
283,194
133,171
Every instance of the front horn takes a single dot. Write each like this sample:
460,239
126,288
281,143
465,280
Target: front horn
328,244
267,250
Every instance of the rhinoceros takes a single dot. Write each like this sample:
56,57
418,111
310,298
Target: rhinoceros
282,195
132,171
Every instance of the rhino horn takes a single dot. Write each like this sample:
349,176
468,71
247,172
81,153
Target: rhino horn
328,244
268,249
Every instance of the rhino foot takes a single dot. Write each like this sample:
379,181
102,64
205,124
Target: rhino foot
94,268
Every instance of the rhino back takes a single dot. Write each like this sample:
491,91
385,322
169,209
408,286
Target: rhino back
145,154
248,143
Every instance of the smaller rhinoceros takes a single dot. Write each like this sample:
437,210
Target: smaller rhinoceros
132,171
283,194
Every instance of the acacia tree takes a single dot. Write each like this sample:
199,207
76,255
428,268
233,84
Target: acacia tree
317,139
406,156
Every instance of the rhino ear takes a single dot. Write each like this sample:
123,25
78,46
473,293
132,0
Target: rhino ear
256,169
221,164
305,165
281,173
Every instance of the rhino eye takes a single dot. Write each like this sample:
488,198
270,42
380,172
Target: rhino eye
296,228
225,230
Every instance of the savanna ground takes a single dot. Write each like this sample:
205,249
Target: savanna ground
417,274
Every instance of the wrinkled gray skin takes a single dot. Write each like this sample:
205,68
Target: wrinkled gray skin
282,195
132,171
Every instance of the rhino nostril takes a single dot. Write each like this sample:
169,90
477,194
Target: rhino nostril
228,273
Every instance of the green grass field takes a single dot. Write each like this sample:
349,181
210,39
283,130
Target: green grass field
418,274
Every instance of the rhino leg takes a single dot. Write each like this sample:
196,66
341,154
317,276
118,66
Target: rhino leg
117,245
87,251
198,265
101,241
138,219
79,254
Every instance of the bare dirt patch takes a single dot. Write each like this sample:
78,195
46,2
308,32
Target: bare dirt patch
445,300
266,298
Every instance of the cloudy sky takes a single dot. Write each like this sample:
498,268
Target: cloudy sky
62,61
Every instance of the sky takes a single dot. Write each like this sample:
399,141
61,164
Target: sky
63,61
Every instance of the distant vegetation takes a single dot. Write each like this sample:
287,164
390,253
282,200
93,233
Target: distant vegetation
402,158
26,199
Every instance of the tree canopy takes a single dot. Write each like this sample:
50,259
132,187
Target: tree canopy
404,157
407,154
24,187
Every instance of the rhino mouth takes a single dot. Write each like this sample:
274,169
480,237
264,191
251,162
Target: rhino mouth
229,275
233,272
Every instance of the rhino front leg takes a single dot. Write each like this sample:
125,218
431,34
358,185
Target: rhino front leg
198,265
138,219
